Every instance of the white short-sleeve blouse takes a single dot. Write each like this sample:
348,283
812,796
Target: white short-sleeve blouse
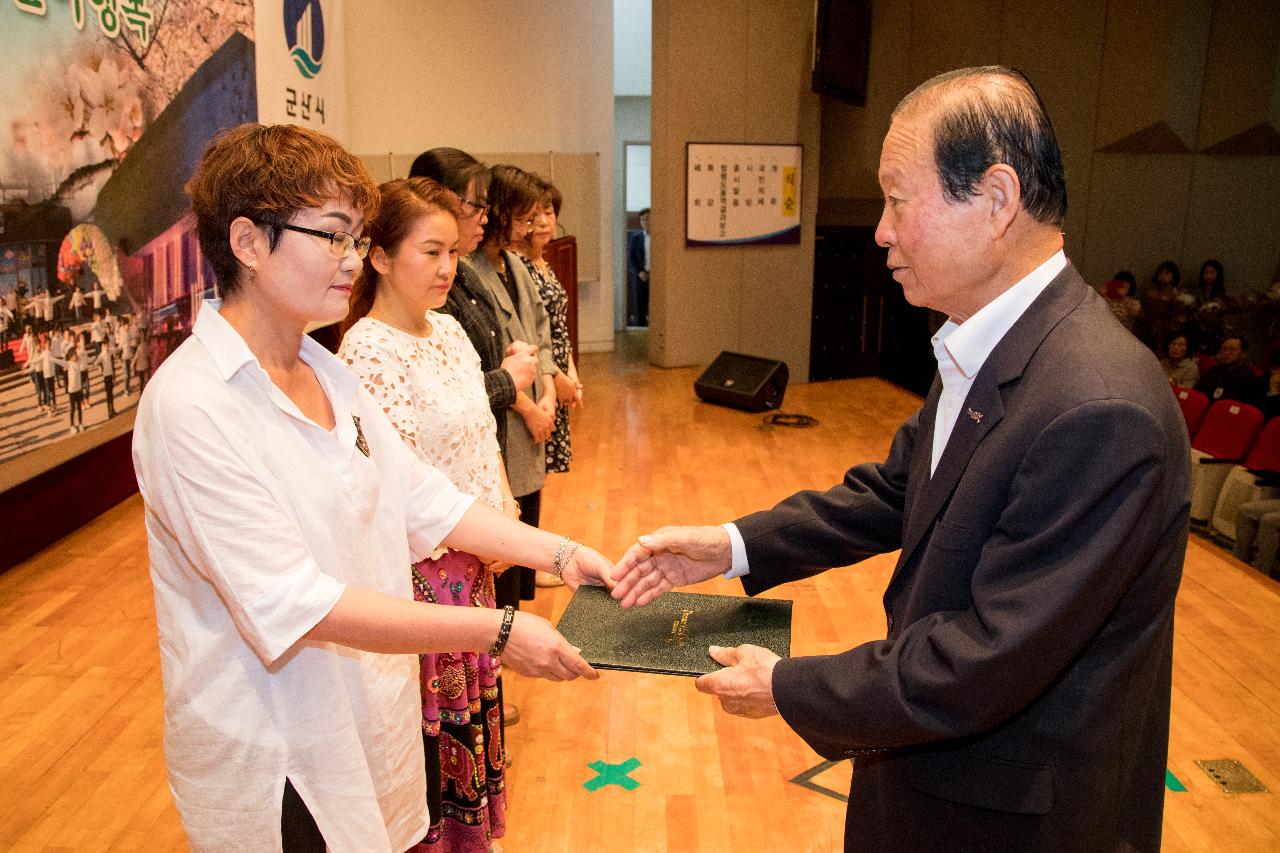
257,519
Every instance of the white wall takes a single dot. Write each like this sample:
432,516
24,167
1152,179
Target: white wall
633,47
515,76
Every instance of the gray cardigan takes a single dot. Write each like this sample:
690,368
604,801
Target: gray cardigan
526,459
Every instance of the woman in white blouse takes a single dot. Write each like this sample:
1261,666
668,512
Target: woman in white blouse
421,368
282,508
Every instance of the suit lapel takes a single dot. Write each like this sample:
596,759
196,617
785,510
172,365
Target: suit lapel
498,294
918,476
983,408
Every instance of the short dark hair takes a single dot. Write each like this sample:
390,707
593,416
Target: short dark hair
1125,275
512,191
550,192
267,174
988,115
452,167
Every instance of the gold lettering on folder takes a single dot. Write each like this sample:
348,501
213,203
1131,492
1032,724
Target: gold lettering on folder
680,629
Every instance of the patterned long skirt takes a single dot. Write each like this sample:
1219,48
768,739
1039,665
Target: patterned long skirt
461,718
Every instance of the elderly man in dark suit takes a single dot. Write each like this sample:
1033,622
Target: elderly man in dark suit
1020,700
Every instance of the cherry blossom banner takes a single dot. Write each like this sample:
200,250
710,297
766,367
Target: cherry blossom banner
107,106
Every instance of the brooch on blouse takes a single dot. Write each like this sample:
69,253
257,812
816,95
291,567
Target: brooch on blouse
361,444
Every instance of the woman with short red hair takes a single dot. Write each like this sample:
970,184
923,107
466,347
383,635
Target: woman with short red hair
282,509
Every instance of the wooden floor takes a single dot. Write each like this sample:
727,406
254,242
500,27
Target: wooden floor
81,766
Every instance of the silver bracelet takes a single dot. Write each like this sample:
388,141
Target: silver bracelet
568,558
557,563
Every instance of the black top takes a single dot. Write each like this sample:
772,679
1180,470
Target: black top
469,304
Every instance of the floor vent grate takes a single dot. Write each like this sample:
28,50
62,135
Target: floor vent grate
1232,776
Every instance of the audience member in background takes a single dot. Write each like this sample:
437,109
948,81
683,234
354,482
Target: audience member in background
1212,307
1179,367
419,366
1162,311
567,385
1258,535
1232,378
1121,299
1212,286
283,510
1270,403
513,198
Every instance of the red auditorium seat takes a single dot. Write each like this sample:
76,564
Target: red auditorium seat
1242,484
1226,435
1193,405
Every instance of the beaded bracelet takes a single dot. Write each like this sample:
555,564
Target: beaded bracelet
504,633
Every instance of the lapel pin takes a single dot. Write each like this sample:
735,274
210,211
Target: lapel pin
977,416
361,444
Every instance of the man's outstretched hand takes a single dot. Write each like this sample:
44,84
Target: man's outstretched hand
745,686
670,557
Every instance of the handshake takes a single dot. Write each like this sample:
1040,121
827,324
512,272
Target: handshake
679,556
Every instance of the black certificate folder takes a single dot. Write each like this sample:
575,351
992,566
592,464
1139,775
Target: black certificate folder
671,635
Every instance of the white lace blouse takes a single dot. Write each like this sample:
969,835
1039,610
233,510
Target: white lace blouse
432,390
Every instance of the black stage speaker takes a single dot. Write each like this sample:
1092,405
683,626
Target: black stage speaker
743,382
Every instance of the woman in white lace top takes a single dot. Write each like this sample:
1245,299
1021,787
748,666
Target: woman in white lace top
421,368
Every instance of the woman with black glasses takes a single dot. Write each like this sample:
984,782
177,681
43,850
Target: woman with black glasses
282,511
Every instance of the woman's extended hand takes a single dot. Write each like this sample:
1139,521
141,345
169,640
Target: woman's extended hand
588,566
537,649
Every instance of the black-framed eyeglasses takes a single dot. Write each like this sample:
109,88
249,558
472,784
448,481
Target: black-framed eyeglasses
340,242
473,208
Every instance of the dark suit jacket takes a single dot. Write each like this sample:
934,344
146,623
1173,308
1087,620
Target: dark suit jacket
635,250
1020,700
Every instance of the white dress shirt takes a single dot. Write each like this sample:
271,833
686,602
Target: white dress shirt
961,349
257,520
